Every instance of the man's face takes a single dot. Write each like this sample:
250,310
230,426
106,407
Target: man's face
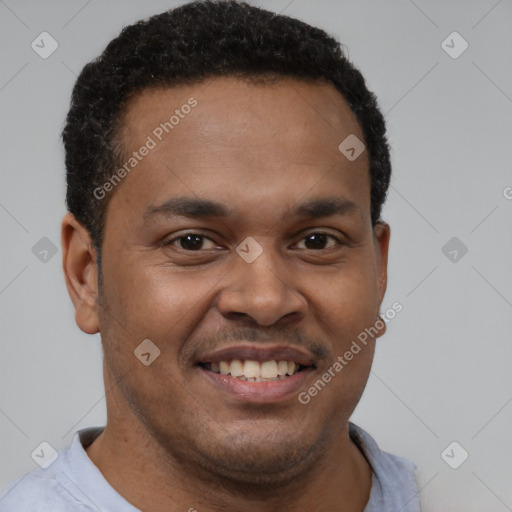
259,152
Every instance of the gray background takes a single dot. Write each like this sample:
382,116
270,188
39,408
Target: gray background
442,372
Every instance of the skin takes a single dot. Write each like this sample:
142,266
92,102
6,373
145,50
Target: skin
173,441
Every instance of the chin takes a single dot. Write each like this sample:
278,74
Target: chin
272,459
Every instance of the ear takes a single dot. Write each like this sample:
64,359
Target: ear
80,272
382,234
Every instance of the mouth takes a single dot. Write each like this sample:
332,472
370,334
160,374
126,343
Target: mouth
255,371
257,374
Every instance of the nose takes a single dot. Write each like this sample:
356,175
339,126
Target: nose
264,291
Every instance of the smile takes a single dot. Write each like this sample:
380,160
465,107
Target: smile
255,371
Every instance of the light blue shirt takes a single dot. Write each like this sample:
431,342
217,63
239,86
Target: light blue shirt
72,483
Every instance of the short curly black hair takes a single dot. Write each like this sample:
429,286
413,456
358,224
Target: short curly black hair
188,44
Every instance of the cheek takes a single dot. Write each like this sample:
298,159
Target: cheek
165,306
158,300
347,301
149,303
346,308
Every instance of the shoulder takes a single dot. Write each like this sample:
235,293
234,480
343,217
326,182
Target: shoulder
394,476
53,487
380,460
38,491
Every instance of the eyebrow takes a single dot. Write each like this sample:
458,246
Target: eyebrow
205,208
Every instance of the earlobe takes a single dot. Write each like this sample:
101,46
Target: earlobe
80,272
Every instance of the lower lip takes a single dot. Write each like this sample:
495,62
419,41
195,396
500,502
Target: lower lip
258,392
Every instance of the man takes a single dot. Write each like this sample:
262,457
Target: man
226,169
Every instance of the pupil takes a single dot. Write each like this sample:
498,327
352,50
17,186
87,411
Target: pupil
186,240
319,240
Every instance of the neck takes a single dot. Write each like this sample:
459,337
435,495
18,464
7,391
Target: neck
340,480
151,475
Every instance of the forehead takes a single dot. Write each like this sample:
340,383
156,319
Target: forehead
241,143
229,104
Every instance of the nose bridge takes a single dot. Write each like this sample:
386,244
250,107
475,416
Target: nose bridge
261,271
260,286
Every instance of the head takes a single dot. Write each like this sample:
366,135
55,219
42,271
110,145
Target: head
240,223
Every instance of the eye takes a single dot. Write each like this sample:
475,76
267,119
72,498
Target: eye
319,239
191,242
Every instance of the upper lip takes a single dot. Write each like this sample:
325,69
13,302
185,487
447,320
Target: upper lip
260,353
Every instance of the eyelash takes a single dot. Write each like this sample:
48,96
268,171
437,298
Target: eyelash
329,235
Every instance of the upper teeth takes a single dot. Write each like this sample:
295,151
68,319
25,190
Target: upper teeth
249,369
